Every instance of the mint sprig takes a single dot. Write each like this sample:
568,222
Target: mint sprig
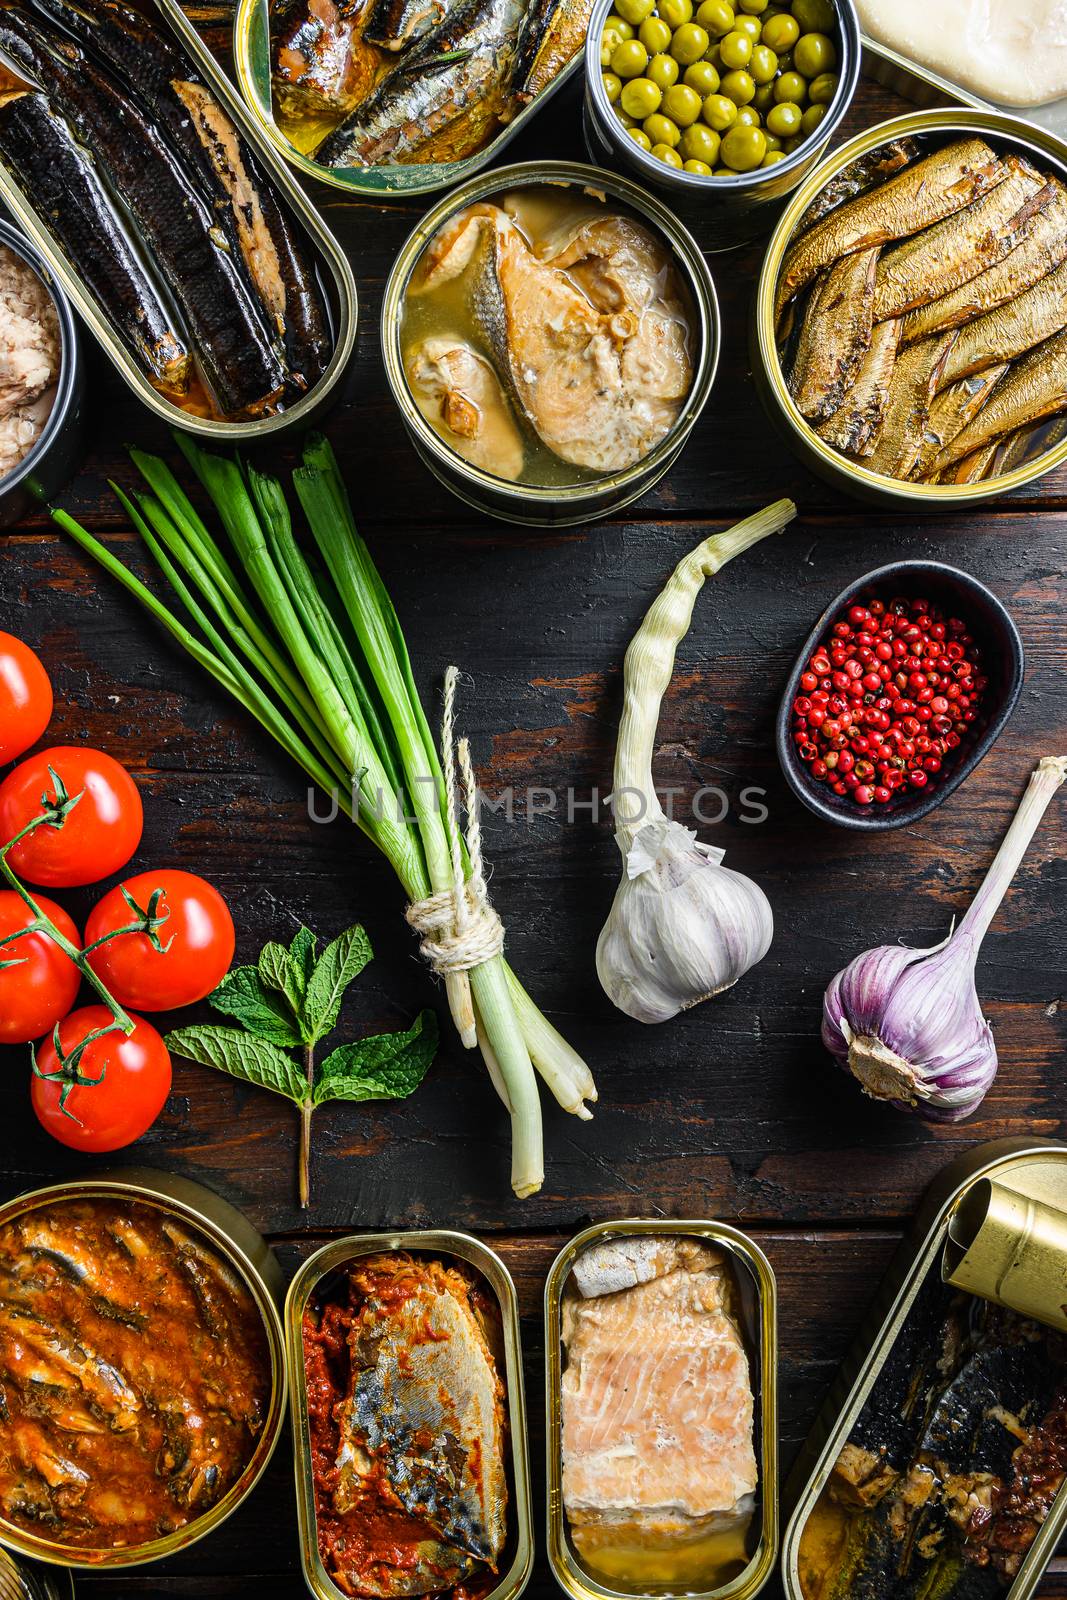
290,1001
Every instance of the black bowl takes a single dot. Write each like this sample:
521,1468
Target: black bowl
1002,658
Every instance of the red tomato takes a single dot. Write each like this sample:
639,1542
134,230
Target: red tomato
25,698
41,989
97,836
197,935
133,1081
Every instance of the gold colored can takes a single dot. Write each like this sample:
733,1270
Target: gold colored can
759,1325
332,269
246,1253
1026,1172
327,1262
1006,133
23,1580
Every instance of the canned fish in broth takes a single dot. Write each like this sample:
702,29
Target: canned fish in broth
942,1441
720,1281
404,1264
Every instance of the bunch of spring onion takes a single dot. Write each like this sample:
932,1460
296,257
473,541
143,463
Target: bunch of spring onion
319,659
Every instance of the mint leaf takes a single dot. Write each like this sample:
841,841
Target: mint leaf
339,964
288,971
243,994
302,958
274,966
236,1052
386,1067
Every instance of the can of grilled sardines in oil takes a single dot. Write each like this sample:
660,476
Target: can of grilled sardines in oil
936,1465
706,1406
405,1362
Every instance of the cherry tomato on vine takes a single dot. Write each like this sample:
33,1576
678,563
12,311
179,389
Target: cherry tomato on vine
130,1081
39,990
25,697
98,834
186,954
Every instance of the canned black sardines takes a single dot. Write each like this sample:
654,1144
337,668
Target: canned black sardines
550,335
175,1300
55,415
958,395
722,210
662,1451
434,1320
937,1462
233,322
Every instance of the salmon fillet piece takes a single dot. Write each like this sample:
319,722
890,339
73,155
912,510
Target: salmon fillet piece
658,1407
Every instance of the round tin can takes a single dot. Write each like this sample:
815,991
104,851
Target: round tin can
56,455
25,1580
1040,147
722,212
245,1252
537,505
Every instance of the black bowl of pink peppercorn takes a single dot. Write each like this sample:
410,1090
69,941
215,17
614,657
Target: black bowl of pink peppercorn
924,667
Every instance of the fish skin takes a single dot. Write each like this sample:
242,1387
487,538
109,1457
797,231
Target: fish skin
417,104
860,175
242,367
425,1408
1012,329
396,24
40,146
1036,387
321,62
853,427
160,80
551,34
104,1386
956,250
835,335
921,195
915,381
952,410
1041,248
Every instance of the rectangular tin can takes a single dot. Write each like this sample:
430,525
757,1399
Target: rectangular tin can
249,1256
438,1242
1034,1168
758,1290
1038,146
251,58
925,87
332,269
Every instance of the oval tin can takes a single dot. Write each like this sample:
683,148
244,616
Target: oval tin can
326,1262
1033,1168
759,1325
1037,145
532,504
722,213
333,271
249,1256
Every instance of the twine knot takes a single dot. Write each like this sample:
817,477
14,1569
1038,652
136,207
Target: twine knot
459,927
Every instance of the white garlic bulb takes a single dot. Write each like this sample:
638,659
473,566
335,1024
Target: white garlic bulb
682,926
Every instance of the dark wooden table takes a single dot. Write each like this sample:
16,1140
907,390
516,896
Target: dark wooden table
730,1111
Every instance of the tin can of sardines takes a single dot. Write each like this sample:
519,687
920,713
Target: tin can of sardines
724,209
550,334
144,1368
25,1580
405,1363
661,1353
937,1462
180,237
298,131
947,230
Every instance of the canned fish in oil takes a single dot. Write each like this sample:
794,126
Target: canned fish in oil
951,1224
538,505
757,1316
325,1267
932,128
332,269
231,1236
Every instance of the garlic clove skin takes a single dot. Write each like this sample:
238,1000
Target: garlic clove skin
908,1025
682,927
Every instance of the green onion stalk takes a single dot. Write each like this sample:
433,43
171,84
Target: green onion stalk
315,653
